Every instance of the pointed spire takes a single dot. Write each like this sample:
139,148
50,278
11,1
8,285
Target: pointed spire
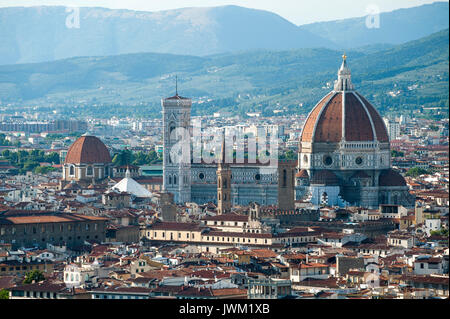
344,81
344,63
222,151
127,173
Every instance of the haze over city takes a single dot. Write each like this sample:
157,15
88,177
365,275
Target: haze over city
298,12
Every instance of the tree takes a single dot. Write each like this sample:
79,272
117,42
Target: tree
433,128
395,153
140,158
35,276
3,141
44,169
416,171
125,157
442,232
288,155
6,153
4,294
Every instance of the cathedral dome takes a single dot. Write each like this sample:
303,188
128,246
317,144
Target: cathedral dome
88,150
391,178
344,114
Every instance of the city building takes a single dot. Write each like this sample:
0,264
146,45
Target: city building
35,228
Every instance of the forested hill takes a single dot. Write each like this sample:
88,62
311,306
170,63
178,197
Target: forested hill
400,78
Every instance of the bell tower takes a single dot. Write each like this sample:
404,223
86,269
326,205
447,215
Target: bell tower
223,183
177,149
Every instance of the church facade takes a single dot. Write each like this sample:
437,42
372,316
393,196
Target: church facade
197,182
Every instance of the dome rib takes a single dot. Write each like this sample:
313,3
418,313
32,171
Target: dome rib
358,126
380,127
329,124
308,128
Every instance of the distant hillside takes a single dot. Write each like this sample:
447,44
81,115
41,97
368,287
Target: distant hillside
400,79
36,34
395,27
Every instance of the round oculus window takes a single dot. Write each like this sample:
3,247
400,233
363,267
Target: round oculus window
257,177
358,161
201,176
327,160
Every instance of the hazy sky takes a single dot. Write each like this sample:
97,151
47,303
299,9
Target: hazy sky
296,11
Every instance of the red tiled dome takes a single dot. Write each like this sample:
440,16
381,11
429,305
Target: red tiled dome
391,178
325,177
344,114
87,150
324,123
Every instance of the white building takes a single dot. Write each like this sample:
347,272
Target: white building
426,265
300,272
400,240
430,225
393,128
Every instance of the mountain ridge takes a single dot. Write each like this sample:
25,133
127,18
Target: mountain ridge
353,32
37,34
257,80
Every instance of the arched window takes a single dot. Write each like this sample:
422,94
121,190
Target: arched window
72,170
170,180
89,171
395,199
324,198
171,129
224,183
174,180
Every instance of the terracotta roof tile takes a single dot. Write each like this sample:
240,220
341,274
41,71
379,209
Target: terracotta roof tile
87,150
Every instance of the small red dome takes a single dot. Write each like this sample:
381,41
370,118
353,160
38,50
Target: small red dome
88,150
